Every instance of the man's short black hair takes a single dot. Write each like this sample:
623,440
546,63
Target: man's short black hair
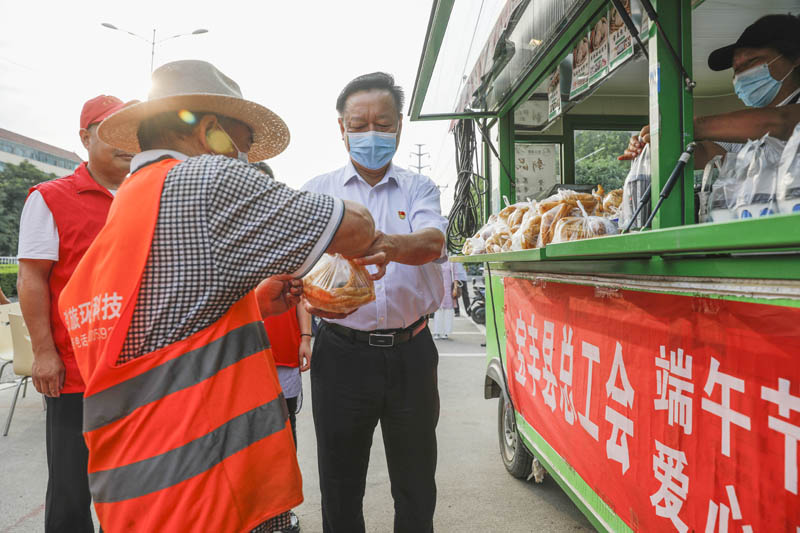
380,81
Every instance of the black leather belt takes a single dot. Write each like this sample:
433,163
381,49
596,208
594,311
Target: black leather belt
381,338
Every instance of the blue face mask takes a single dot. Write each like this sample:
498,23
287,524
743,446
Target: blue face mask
756,87
372,149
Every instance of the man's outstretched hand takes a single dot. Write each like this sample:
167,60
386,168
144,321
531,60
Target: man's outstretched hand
278,294
636,145
379,254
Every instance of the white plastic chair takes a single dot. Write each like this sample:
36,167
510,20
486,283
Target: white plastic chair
6,347
23,360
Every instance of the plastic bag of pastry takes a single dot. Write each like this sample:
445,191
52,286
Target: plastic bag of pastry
611,203
338,285
501,235
789,175
527,235
571,198
549,219
510,211
515,219
474,246
598,194
576,228
486,231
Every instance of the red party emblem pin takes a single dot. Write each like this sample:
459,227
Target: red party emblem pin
402,215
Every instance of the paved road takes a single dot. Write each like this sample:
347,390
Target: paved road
476,495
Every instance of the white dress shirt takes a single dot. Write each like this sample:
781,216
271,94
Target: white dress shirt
401,203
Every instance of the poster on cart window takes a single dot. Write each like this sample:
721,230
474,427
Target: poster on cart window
682,413
598,51
620,42
580,67
554,95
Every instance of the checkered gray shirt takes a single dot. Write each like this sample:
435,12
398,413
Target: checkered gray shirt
222,228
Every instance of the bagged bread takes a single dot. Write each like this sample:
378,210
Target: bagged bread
549,219
515,218
611,202
576,228
474,246
570,198
338,285
496,243
527,235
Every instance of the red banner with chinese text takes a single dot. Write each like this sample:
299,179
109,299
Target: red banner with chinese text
681,413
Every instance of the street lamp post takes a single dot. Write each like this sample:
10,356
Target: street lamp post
152,42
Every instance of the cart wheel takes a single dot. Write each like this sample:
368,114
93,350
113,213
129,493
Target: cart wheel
516,458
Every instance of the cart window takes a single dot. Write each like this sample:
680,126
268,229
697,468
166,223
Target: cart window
537,167
596,153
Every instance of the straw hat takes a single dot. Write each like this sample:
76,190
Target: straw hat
197,86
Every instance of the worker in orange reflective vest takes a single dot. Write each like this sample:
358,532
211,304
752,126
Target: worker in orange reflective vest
183,414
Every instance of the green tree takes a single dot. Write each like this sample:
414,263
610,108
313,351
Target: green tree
596,153
15,180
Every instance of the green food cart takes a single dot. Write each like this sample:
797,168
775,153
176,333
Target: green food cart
655,375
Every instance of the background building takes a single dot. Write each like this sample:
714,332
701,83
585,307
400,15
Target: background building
15,148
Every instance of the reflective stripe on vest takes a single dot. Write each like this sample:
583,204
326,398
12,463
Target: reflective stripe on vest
195,435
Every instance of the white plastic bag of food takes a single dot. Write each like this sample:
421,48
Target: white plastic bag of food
527,235
789,175
758,189
474,246
338,285
721,201
576,228
588,202
550,218
711,174
500,239
636,183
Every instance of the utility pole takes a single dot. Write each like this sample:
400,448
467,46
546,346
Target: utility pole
419,166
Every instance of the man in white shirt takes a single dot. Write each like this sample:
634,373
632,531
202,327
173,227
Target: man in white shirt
379,364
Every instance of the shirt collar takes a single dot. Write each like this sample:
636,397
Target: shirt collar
351,174
148,156
85,182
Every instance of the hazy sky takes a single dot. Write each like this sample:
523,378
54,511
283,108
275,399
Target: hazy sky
294,57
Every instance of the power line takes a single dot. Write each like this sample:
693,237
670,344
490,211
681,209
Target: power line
419,166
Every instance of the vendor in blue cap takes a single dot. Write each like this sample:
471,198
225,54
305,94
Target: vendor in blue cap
766,77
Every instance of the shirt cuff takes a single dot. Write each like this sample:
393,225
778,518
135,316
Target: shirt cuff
324,239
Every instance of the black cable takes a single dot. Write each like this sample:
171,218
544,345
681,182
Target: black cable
487,138
466,215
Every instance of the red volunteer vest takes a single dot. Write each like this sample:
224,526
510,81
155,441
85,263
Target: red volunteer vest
79,206
283,331
191,437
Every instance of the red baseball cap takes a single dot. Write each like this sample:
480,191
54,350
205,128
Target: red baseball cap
98,108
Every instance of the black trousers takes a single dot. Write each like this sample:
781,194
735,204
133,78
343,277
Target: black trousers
291,404
68,502
354,386
464,294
